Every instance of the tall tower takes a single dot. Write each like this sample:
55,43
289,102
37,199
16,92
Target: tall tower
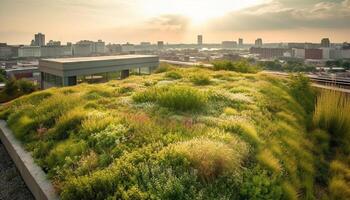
258,42
200,40
325,42
240,42
39,39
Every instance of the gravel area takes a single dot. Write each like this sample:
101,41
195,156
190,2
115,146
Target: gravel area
12,187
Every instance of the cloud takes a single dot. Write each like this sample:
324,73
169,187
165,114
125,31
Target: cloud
277,15
169,23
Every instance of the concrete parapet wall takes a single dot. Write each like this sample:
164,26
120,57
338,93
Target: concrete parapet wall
32,174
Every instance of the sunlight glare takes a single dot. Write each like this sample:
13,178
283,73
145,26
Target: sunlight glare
198,11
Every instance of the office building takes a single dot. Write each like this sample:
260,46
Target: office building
29,52
298,53
268,52
5,51
200,40
56,51
240,42
39,39
114,48
99,47
53,43
325,42
88,48
258,42
160,44
128,48
228,44
71,71
314,54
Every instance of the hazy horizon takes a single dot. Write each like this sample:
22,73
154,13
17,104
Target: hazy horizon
134,21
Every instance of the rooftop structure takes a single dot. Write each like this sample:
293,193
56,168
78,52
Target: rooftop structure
70,71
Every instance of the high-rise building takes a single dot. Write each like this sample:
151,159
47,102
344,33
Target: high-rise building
325,42
258,42
39,39
200,40
240,42
160,44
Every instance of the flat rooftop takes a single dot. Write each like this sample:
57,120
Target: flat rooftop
97,58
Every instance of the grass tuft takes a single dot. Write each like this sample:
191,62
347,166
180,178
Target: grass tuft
178,98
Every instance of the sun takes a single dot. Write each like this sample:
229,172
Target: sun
198,11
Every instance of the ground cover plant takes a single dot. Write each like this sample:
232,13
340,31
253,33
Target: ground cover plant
199,134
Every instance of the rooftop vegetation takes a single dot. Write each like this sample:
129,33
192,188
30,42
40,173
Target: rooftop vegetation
199,134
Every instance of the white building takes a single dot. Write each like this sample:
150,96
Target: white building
128,48
56,51
298,53
29,51
99,47
87,48
326,53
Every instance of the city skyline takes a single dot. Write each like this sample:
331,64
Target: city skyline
135,21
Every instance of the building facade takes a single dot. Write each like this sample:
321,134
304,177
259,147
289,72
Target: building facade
258,42
71,71
200,40
39,39
268,52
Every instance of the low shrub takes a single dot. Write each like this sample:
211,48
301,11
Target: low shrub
67,123
163,67
210,158
173,75
180,98
259,184
200,79
64,149
242,66
339,188
108,137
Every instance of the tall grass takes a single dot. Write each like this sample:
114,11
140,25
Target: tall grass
332,113
211,158
180,98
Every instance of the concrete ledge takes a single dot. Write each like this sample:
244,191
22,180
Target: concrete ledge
32,174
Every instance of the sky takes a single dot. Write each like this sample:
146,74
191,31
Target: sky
175,21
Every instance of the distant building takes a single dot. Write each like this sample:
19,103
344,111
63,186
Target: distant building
160,44
56,51
258,42
39,39
298,53
325,42
231,57
326,53
303,45
314,54
99,47
268,52
240,42
200,40
5,51
114,48
88,48
229,44
53,43
346,45
128,48
29,52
